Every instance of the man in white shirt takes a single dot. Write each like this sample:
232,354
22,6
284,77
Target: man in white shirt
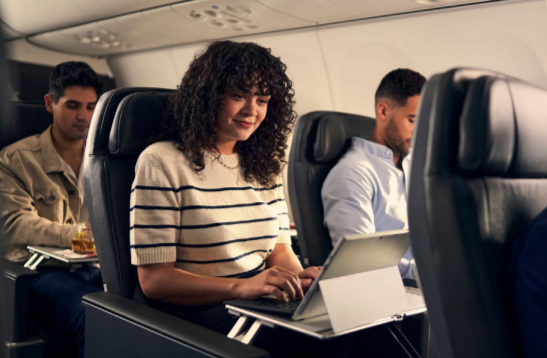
366,191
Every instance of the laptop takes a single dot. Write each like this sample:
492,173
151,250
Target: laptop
351,255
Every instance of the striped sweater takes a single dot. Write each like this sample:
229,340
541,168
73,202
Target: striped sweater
206,223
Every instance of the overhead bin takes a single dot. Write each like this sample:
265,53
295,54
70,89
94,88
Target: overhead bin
320,11
329,11
33,16
186,22
372,8
8,33
202,20
437,3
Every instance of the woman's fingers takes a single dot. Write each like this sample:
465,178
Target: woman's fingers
306,282
292,284
279,294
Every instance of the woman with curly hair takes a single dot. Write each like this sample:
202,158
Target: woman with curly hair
208,219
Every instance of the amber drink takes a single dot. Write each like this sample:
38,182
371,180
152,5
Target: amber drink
83,242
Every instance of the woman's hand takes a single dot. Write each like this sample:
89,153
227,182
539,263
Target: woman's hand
308,275
284,284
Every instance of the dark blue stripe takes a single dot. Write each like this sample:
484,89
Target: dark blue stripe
221,260
191,187
246,272
284,228
147,207
195,207
143,246
190,227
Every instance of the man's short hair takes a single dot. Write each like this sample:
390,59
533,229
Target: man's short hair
72,73
399,85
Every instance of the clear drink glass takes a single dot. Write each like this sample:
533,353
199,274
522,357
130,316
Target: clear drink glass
83,242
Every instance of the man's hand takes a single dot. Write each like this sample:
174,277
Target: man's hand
308,275
274,281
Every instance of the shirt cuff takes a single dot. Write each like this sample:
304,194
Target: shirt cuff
156,255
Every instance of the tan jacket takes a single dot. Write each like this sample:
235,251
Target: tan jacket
39,203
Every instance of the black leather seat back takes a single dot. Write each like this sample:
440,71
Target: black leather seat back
320,139
478,178
122,125
24,120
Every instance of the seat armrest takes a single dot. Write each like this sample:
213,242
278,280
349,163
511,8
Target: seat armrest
117,326
17,271
14,297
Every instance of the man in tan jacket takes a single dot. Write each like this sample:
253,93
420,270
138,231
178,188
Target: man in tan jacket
42,196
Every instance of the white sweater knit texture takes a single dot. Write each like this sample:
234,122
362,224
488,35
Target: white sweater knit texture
206,223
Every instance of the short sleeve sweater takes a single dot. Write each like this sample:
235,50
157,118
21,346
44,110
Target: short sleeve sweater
206,223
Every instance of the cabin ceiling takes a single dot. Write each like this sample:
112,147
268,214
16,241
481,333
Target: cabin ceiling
107,27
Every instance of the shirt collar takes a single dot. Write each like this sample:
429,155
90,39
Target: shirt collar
52,161
378,150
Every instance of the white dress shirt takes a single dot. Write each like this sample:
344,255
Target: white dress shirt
366,193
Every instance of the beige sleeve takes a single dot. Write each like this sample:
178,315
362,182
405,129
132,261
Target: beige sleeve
19,221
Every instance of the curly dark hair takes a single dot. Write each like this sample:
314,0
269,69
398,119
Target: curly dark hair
399,85
192,110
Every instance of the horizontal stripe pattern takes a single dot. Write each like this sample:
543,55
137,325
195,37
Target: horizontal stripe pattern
205,207
212,244
246,273
191,187
202,223
234,258
194,227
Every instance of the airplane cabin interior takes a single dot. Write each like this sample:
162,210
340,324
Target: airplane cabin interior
475,188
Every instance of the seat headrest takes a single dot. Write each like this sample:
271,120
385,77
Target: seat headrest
502,129
137,119
25,119
334,134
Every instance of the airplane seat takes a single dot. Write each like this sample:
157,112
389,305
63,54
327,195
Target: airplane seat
27,336
320,139
26,119
122,321
478,178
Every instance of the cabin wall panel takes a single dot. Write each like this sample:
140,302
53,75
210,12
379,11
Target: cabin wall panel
299,50
22,51
507,37
148,69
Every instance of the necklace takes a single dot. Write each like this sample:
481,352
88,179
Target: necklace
239,182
